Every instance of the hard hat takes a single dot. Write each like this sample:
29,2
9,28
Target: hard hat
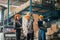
28,13
41,17
27,16
17,15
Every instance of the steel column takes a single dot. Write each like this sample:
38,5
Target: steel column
30,6
8,13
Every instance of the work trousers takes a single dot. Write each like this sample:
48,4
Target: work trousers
41,35
18,34
30,36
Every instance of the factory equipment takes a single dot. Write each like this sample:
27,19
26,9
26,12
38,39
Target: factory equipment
9,33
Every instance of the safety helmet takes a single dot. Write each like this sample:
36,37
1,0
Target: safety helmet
27,16
41,17
28,13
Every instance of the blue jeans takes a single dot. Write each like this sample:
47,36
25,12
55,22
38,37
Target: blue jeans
41,35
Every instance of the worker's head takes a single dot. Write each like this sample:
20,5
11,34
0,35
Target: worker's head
41,17
28,13
27,16
17,17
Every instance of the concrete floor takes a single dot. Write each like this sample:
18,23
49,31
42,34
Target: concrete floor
1,38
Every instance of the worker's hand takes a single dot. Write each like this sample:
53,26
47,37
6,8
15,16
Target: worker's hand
20,27
29,28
